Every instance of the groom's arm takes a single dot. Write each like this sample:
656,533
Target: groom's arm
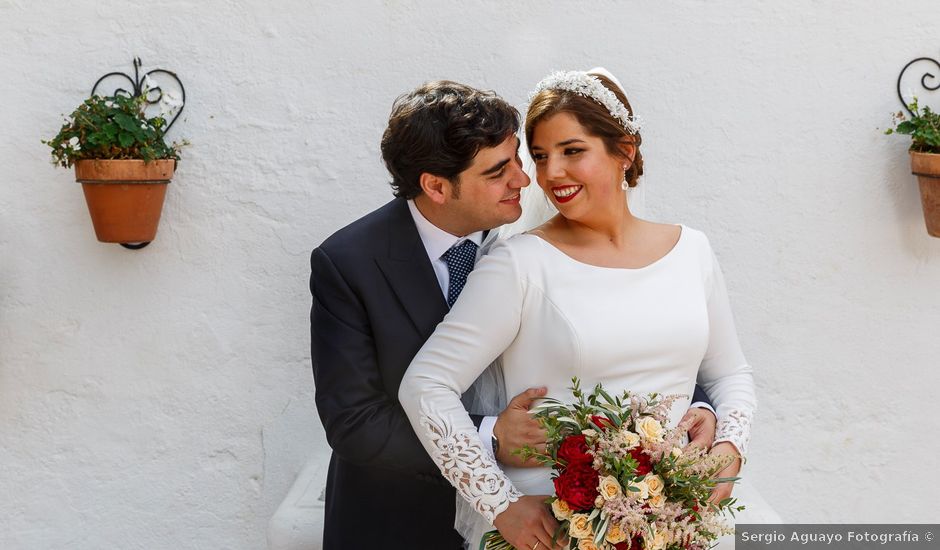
700,400
363,424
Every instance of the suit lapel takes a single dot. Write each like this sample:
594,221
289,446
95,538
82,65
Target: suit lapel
409,273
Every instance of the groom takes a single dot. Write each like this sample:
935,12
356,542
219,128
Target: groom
381,285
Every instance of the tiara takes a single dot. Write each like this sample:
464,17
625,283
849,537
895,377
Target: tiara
587,85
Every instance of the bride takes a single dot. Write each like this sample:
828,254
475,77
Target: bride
594,292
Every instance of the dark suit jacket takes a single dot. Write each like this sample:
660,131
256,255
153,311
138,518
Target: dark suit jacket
375,302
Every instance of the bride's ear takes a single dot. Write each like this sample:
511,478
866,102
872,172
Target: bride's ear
627,148
436,188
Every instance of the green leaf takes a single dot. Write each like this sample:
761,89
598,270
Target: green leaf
905,127
126,139
126,122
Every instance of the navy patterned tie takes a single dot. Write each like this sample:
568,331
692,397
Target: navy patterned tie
459,259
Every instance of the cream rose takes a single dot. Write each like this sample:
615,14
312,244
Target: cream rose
615,534
654,483
561,509
643,490
628,439
587,544
609,488
676,452
657,501
657,540
650,428
580,526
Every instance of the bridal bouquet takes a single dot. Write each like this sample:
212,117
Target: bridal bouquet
622,480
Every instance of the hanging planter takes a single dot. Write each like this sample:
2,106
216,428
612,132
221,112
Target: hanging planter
923,125
124,197
121,158
926,166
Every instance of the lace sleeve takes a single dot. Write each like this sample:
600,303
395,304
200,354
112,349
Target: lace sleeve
481,325
469,468
724,373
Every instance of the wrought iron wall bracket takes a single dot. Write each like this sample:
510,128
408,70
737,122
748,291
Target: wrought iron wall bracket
923,80
153,96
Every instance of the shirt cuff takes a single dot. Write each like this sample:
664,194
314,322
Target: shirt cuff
486,434
697,405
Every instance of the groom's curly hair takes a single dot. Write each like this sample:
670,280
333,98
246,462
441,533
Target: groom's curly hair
439,128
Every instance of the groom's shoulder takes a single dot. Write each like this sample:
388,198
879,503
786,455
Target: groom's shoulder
364,233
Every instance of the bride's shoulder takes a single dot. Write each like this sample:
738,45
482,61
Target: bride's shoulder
524,251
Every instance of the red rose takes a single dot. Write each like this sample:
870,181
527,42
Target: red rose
574,450
577,485
644,465
634,544
602,422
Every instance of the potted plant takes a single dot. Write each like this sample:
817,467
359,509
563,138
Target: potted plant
122,161
924,128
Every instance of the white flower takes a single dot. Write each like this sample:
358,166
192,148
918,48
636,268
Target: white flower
170,102
676,452
73,142
589,433
147,84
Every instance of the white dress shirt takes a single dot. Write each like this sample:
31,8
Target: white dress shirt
437,241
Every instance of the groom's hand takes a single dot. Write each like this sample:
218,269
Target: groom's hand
515,428
700,423
527,523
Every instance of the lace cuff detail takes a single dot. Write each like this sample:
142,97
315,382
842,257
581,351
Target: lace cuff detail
468,467
735,427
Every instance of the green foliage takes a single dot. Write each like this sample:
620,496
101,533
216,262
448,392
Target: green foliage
923,127
112,127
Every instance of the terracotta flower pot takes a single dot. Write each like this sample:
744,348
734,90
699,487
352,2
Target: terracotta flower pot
926,166
125,197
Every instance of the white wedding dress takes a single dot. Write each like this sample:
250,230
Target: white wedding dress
551,317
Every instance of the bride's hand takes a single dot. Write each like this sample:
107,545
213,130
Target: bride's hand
527,523
723,490
515,428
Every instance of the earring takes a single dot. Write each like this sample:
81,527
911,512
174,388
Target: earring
625,184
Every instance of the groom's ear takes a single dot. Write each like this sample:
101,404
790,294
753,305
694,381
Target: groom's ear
436,188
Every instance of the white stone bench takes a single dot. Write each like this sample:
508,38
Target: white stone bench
298,522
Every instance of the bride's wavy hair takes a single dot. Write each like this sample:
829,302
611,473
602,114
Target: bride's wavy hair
439,128
593,116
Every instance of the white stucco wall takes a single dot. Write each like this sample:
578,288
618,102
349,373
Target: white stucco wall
163,398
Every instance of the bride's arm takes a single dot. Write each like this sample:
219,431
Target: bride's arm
724,373
482,324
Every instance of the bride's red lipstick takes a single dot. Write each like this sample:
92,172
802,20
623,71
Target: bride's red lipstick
566,198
